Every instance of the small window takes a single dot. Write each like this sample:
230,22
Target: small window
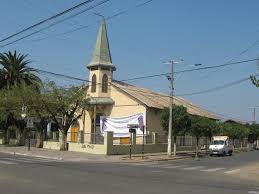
105,84
93,88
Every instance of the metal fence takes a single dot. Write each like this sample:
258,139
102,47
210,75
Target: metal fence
80,137
97,138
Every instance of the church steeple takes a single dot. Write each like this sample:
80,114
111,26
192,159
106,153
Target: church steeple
102,55
101,67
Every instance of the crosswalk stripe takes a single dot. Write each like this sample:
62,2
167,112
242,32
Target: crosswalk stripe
212,169
27,160
142,164
17,160
7,162
38,159
232,171
253,192
178,166
193,168
159,165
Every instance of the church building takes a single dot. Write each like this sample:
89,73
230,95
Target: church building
114,104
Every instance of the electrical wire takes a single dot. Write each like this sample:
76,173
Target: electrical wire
53,24
119,13
48,19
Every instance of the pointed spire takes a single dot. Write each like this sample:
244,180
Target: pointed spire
101,55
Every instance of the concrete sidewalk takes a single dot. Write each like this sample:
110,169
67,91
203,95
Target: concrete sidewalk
81,157
56,154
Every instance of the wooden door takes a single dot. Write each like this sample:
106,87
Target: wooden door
74,134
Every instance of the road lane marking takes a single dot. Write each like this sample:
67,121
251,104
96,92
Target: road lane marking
7,162
212,169
194,168
253,192
232,171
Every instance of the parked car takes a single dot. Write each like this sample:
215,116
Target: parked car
221,145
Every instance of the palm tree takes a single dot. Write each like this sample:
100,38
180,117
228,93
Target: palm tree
15,71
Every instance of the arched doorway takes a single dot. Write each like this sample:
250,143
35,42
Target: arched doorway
74,132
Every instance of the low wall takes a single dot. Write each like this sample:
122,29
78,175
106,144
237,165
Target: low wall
51,145
2,142
87,148
13,142
137,149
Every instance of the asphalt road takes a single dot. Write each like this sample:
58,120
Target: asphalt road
27,175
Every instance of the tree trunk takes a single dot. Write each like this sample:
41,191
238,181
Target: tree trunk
174,145
39,139
63,139
7,137
197,149
19,137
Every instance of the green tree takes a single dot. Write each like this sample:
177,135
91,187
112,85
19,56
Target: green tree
199,127
35,109
254,132
10,112
235,131
254,81
15,71
181,121
64,106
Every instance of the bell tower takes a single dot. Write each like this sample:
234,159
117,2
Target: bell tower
101,67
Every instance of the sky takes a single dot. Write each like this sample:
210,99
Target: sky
199,32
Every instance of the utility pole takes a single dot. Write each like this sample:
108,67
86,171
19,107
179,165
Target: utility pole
171,79
254,113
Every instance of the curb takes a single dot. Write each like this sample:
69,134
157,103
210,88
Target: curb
31,155
127,160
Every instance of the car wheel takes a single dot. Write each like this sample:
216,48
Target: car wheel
211,155
230,153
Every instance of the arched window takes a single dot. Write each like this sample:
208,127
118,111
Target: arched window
93,89
105,83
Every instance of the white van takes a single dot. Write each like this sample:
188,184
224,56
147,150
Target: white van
221,145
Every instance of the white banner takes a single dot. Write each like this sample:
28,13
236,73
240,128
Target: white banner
119,125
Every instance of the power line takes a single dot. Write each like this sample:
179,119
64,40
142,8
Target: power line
143,77
191,70
30,4
227,85
238,55
89,25
218,66
48,19
51,25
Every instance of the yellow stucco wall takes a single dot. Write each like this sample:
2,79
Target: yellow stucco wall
124,105
87,148
99,75
153,121
51,145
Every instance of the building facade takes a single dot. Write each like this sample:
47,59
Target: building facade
114,99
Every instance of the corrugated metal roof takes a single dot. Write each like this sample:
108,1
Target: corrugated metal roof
158,100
